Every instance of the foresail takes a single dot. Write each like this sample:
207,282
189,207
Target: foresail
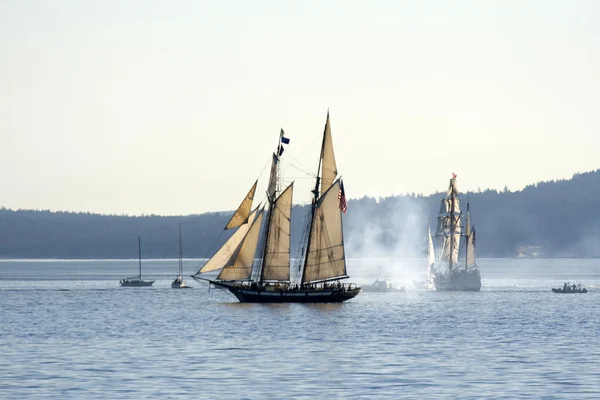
325,258
242,266
277,255
328,166
468,222
224,256
242,213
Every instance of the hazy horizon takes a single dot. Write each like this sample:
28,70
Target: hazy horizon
173,108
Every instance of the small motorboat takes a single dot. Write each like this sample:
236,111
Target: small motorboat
567,288
383,286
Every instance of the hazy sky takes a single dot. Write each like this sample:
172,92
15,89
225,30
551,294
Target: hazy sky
173,107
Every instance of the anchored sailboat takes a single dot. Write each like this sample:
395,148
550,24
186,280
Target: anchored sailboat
451,276
272,279
136,281
430,274
179,283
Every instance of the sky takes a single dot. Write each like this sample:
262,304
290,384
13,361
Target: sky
174,107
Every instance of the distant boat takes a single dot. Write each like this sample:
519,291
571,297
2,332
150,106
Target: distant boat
450,275
136,281
318,275
428,283
383,286
179,283
567,288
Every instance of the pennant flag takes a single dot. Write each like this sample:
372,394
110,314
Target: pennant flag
342,198
280,151
284,140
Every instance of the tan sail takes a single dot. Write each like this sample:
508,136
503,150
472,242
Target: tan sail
328,166
241,268
241,215
224,256
277,254
468,222
325,259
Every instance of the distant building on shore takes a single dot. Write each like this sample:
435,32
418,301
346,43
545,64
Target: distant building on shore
529,251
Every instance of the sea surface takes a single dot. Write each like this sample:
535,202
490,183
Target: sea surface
68,331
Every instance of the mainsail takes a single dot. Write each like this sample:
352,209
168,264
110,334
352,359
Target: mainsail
470,259
241,215
325,259
276,259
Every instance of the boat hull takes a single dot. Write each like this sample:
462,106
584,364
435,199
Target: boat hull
251,295
458,282
584,290
136,283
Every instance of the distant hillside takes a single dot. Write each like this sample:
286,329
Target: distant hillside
562,216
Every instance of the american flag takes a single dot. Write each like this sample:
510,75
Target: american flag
473,234
453,175
342,198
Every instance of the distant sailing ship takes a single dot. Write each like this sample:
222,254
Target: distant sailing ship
430,268
318,275
451,275
136,281
179,283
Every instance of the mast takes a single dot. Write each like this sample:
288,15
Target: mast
180,253
467,234
452,227
140,255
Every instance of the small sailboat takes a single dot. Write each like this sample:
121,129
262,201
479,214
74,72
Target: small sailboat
179,283
136,281
430,269
320,269
450,275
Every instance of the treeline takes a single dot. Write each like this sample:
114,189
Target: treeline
562,216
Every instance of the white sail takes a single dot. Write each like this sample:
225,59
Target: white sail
241,268
224,256
471,249
325,258
430,255
276,264
468,222
242,213
328,166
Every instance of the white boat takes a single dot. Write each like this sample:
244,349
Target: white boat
136,281
428,283
179,283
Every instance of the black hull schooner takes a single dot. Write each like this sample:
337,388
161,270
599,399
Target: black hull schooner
255,261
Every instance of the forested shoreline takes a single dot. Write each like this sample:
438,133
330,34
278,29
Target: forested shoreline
561,216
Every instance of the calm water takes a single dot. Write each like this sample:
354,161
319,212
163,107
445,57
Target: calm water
68,331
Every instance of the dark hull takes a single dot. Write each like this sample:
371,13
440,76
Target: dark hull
250,295
458,282
584,290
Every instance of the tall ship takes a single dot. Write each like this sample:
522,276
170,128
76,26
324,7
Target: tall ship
255,263
452,274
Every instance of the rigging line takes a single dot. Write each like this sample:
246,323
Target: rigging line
302,168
